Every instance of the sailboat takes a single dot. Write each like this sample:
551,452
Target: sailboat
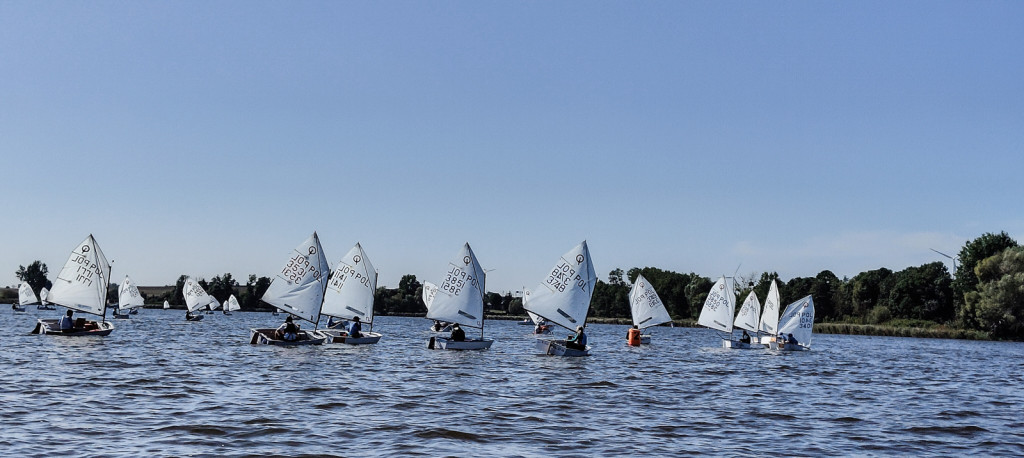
43,303
231,305
25,297
349,295
797,321
299,290
770,317
167,305
195,299
646,306
563,298
213,305
128,298
81,285
719,308
460,299
750,311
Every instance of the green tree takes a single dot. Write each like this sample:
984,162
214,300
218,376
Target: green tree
999,299
923,292
222,287
34,275
966,280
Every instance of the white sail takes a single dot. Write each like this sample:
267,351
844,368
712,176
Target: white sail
770,318
647,308
351,286
232,304
167,305
747,318
43,295
128,295
298,288
798,319
563,298
429,291
214,303
195,296
719,307
460,297
25,294
82,282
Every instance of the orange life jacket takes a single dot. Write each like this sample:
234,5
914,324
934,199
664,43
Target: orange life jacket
633,337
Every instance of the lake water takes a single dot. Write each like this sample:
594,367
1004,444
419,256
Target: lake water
161,386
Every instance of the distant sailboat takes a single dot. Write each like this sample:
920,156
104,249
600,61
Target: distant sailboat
298,288
349,295
195,299
44,304
747,319
796,326
213,305
231,305
460,300
25,297
563,298
770,317
81,285
128,298
167,305
646,307
719,308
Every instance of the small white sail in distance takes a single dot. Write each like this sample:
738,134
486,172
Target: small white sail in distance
646,305
798,319
351,286
770,318
298,288
719,307
460,296
82,282
128,295
563,298
749,312
429,291
43,295
232,304
195,296
167,305
214,303
25,294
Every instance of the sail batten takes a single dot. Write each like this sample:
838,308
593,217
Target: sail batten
563,298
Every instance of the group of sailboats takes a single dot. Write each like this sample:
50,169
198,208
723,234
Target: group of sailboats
791,333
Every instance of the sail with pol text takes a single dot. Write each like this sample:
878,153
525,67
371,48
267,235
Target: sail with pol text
82,282
563,298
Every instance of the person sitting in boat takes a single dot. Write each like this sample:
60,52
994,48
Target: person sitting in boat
355,328
66,323
458,335
745,338
288,330
578,340
542,327
188,315
633,336
791,340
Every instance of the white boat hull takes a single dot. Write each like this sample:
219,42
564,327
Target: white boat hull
737,345
444,343
52,327
558,348
787,347
645,339
18,308
265,336
341,337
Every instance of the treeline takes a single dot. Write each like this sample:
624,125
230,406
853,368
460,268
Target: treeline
986,294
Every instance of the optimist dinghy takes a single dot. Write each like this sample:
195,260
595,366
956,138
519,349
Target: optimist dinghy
563,298
460,300
81,285
298,288
349,295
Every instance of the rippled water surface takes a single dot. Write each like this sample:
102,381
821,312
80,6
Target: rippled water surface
160,386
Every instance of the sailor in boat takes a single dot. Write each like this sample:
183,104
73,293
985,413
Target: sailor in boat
288,331
791,340
355,328
633,336
458,335
188,314
745,338
66,323
542,327
578,340
331,324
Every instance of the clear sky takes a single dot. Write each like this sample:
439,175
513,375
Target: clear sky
197,137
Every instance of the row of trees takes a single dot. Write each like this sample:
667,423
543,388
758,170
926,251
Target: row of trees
986,293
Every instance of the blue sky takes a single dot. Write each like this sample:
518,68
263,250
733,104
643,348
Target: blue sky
212,137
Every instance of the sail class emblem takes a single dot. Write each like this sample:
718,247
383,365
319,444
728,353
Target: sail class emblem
466,260
579,259
357,258
85,248
312,250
